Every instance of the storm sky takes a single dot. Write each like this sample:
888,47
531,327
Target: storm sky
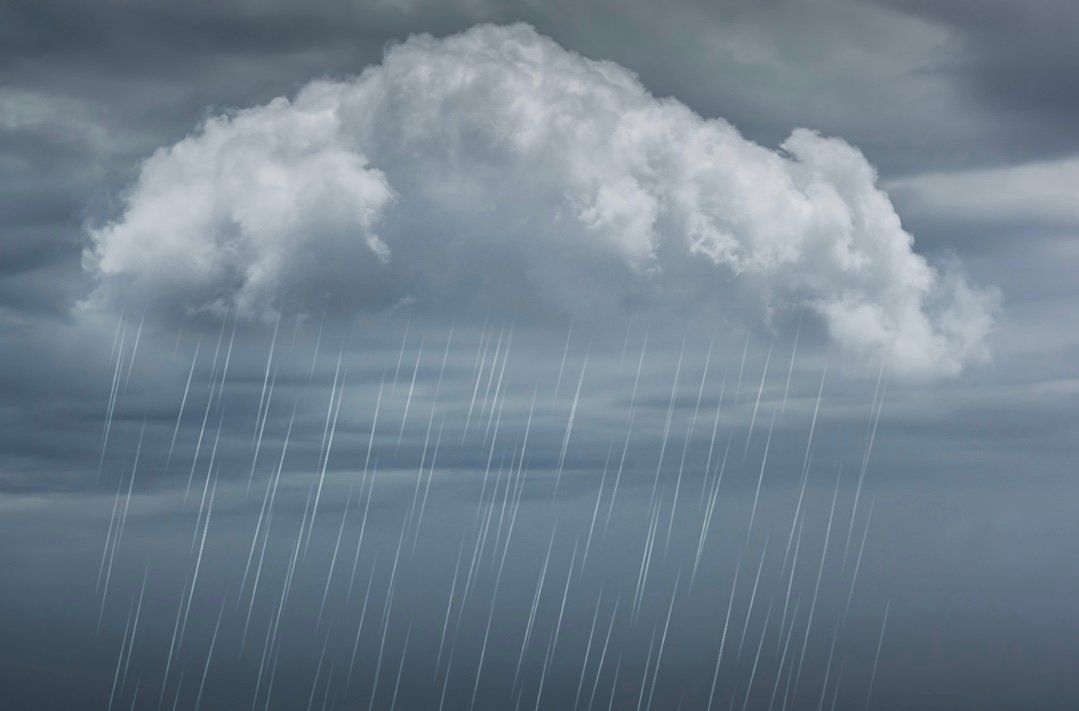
549,355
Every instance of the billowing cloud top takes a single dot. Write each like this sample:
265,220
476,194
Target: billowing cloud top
494,169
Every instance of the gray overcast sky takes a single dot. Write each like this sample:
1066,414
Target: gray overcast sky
966,111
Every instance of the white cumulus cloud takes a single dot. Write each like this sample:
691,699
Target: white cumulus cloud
495,169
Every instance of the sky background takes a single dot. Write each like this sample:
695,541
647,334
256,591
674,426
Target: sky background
166,425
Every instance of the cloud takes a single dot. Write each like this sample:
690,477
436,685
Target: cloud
494,169
1041,193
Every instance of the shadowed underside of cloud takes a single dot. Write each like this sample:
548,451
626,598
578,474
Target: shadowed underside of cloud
495,170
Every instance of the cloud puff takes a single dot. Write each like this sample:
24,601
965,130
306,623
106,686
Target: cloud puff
495,169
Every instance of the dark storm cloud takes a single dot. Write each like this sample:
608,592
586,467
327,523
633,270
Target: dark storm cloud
1016,61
